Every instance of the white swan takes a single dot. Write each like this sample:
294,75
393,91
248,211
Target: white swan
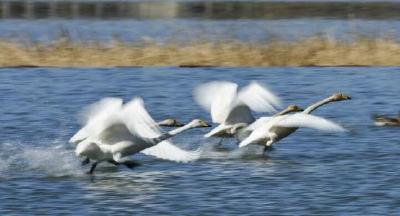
120,132
279,127
228,106
242,131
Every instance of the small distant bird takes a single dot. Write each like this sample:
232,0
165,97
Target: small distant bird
386,121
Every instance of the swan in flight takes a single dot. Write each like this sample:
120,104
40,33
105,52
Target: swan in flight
228,106
242,131
100,110
278,127
113,133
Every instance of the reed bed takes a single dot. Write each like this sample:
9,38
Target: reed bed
314,51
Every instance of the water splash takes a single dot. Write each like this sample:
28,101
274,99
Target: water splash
54,160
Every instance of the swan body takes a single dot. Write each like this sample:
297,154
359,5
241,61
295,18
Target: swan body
242,131
228,106
278,127
126,130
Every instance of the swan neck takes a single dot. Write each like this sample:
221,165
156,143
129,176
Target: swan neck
181,129
174,132
314,106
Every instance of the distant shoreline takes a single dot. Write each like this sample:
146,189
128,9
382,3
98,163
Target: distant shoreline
314,51
218,10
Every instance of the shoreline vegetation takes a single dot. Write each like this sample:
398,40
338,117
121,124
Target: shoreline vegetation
313,51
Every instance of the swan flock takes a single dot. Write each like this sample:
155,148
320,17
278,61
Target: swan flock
113,131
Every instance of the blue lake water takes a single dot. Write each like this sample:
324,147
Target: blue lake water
310,172
179,30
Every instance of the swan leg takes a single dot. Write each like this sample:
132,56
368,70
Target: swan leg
113,162
268,148
268,145
85,161
92,168
118,159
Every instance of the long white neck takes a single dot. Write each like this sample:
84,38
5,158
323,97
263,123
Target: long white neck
314,106
174,132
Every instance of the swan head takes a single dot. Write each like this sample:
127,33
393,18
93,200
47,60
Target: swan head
289,109
294,108
340,97
170,122
199,123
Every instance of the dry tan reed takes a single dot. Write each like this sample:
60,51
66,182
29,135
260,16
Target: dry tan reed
315,51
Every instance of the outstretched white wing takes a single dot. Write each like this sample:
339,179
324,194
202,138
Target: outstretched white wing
167,151
97,117
260,129
258,123
217,98
309,121
136,118
105,105
220,128
221,99
261,132
258,98
139,122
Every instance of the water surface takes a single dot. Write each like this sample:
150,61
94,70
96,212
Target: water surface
309,172
183,30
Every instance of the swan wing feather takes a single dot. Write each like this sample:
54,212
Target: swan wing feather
259,98
167,151
258,123
217,98
217,130
97,117
260,129
239,114
99,108
138,120
309,121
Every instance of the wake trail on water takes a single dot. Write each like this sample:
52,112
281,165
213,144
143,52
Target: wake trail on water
54,159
